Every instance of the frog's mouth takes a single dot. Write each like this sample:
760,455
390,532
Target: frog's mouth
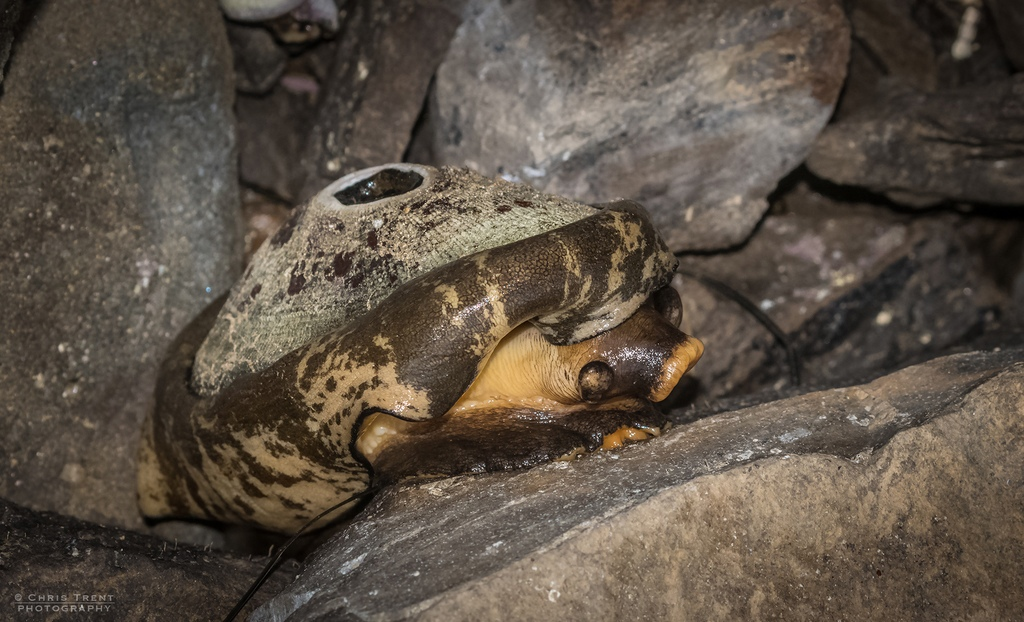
533,402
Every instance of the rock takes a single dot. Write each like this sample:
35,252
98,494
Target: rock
1008,17
859,292
890,45
386,58
920,149
121,575
117,182
902,499
694,109
272,130
263,217
10,11
259,62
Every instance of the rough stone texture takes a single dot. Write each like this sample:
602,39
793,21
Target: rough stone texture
858,292
888,45
1008,16
387,55
259,61
694,109
902,499
272,130
130,576
919,149
117,183
10,10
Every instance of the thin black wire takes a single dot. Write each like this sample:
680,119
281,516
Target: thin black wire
272,565
792,356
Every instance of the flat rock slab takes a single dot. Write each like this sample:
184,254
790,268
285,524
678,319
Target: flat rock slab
60,568
121,221
923,148
695,109
902,498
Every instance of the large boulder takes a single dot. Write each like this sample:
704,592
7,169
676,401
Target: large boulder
118,185
899,499
920,149
695,109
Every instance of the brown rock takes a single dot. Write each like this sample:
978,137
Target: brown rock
387,55
901,499
888,45
920,149
1008,17
10,11
52,563
272,131
259,62
117,183
694,109
859,292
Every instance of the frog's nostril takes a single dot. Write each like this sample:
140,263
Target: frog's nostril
596,378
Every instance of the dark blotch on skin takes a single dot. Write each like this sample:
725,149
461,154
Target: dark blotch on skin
331,385
371,239
242,505
292,505
285,232
503,209
522,203
342,263
255,290
296,284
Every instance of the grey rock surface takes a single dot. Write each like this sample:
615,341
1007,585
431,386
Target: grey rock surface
694,109
10,11
889,45
118,185
259,61
1008,18
272,131
902,498
387,53
920,149
113,574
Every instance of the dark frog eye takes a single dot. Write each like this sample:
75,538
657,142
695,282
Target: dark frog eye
390,182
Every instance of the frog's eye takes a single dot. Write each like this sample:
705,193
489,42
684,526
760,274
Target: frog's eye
595,379
384,184
666,301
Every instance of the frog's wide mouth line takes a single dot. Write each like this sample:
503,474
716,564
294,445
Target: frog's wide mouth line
511,417
502,437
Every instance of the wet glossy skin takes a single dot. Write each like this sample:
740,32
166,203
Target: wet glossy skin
276,447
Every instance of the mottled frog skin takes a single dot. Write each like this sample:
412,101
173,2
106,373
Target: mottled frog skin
424,296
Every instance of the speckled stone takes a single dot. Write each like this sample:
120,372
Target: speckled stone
119,192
